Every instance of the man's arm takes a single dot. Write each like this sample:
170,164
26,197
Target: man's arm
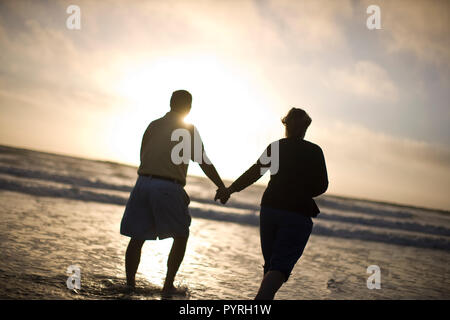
143,142
199,156
212,174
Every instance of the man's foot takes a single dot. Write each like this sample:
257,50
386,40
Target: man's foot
131,283
131,286
168,291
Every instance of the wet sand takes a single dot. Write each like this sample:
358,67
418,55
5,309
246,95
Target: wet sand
42,236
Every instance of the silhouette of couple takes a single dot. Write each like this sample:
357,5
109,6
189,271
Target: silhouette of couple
158,204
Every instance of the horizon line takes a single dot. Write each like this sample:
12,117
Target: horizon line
349,197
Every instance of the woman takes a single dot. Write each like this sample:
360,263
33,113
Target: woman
298,174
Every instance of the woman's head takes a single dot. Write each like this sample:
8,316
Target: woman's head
296,122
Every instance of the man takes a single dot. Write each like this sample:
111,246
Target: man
158,203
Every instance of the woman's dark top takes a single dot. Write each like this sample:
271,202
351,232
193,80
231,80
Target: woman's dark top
301,176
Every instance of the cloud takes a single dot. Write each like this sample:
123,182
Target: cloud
364,79
45,66
365,162
418,27
312,25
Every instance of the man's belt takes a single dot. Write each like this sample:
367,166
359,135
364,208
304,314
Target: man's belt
162,178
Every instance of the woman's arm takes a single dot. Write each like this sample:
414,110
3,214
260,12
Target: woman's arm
248,178
319,176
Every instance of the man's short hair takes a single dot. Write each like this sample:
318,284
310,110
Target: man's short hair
180,100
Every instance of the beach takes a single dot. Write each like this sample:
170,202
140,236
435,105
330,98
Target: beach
59,211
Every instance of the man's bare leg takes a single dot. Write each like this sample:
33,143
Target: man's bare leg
132,259
272,281
173,263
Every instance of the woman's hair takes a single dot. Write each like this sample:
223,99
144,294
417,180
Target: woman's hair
296,122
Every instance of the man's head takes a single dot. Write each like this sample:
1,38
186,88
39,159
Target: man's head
296,123
181,102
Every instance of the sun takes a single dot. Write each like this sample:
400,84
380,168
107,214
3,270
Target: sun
229,107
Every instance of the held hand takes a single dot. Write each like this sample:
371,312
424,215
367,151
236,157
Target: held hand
223,194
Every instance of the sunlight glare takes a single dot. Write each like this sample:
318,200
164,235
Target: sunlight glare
228,104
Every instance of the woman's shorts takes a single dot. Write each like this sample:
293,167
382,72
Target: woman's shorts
284,235
156,208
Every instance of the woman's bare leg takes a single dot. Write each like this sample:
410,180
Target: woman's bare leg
273,280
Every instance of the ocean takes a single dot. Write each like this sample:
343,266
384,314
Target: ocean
59,211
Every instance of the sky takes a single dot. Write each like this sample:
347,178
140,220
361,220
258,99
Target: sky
378,99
